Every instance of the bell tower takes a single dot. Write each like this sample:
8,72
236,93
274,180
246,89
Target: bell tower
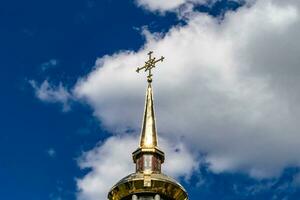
148,182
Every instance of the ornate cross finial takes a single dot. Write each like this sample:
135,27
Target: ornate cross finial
150,64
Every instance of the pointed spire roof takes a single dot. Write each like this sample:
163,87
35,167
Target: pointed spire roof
148,180
148,139
148,133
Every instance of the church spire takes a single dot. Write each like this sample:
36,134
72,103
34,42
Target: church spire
148,149
148,181
148,133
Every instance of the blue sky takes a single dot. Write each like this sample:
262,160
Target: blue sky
56,43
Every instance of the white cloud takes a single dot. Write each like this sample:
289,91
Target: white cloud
111,160
229,90
160,5
52,94
51,152
173,5
49,64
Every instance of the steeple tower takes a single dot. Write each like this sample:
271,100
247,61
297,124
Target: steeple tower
148,134
148,183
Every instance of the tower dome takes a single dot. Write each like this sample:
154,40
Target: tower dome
148,182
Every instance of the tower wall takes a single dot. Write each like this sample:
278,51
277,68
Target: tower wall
148,162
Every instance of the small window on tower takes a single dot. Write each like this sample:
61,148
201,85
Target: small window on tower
148,162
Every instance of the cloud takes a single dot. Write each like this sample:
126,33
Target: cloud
107,164
111,160
52,94
49,64
51,152
229,89
174,5
153,5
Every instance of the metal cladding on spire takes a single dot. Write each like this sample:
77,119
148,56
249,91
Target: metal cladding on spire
148,140
148,134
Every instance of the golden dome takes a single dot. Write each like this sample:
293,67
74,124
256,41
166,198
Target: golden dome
160,184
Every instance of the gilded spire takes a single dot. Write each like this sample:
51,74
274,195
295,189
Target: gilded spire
148,157
148,135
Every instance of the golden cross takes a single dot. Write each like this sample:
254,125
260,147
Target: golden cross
150,64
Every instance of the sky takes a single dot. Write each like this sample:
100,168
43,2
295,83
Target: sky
226,96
